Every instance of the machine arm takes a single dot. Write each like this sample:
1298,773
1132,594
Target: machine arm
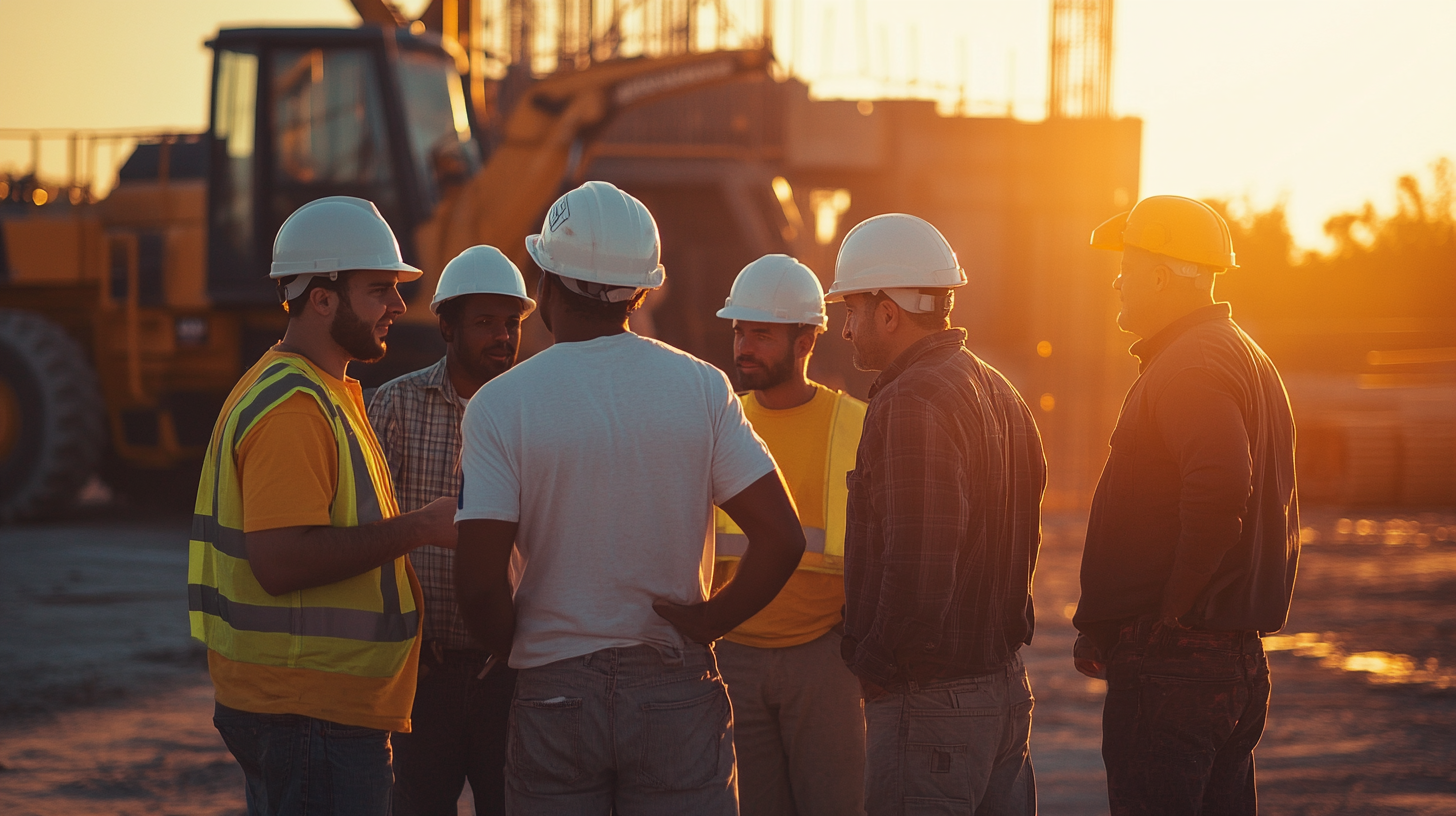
557,119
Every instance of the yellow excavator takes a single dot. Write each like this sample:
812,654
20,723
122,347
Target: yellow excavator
125,322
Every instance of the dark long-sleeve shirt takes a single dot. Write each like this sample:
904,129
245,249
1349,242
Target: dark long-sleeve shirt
944,519
1196,508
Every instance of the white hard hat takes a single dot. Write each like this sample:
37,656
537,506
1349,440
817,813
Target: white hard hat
893,252
776,289
332,235
481,270
599,234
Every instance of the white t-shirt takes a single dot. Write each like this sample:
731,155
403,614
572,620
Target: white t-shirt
610,454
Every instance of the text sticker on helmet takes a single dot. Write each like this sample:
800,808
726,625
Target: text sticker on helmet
560,213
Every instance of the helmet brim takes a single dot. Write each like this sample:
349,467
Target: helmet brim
1108,234
953,279
406,272
760,316
530,304
536,248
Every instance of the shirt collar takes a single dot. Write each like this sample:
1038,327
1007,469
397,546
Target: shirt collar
920,348
1146,350
437,377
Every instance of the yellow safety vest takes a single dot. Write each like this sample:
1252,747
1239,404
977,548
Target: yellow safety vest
363,626
823,543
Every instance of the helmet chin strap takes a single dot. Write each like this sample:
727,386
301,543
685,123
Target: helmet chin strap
911,300
295,287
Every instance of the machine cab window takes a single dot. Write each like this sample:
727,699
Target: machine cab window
329,131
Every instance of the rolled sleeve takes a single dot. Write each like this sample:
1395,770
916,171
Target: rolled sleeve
490,478
740,458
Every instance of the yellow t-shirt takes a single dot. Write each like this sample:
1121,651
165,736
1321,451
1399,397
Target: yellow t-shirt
288,468
809,604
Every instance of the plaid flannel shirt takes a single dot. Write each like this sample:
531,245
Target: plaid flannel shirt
417,419
944,520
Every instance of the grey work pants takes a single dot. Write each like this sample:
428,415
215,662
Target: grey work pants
628,730
798,726
954,746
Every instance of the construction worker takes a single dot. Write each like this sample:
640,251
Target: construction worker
601,459
1193,537
798,723
460,709
944,529
297,580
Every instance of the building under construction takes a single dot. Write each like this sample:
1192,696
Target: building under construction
738,171
164,289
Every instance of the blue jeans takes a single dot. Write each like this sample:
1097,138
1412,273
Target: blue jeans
299,766
958,746
1184,710
459,723
628,729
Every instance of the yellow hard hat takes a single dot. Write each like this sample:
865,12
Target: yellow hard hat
1175,226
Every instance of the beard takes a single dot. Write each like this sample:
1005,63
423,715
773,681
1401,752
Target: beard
355,336
484,369
866,345
767,375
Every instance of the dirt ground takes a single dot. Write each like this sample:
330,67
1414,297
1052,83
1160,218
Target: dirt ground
105,707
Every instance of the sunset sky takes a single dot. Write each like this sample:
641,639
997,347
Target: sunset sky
1321,103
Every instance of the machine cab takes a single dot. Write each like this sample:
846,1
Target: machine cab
299,114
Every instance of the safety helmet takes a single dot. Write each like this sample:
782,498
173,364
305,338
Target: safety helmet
1178,227
481,270
776,289
332,235
600,235
897,254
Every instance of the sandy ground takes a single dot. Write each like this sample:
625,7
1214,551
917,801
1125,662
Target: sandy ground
105,706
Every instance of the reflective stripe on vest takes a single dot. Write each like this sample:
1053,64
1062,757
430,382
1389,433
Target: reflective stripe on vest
736,544
824,545
363,625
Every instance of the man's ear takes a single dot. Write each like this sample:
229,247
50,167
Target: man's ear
1162,276
447,331
887,312
322,300
804,342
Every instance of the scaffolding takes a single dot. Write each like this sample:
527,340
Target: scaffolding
1081,60
548,35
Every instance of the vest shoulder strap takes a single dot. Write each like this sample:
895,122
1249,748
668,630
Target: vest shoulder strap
276,384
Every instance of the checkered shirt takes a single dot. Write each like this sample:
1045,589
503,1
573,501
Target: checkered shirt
417,419
944,519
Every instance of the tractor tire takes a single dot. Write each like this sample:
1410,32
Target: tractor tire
52,418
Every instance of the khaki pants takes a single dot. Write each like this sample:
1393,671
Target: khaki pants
799,730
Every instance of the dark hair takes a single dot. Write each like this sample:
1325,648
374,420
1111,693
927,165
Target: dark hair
449,311
590,309
937,320
294,307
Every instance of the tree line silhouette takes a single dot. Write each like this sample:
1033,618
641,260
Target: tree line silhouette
1388,284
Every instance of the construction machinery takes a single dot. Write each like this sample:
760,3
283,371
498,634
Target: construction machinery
125,322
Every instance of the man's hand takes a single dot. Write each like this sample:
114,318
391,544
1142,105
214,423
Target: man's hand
287,559
436,523
1088,658
689,619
